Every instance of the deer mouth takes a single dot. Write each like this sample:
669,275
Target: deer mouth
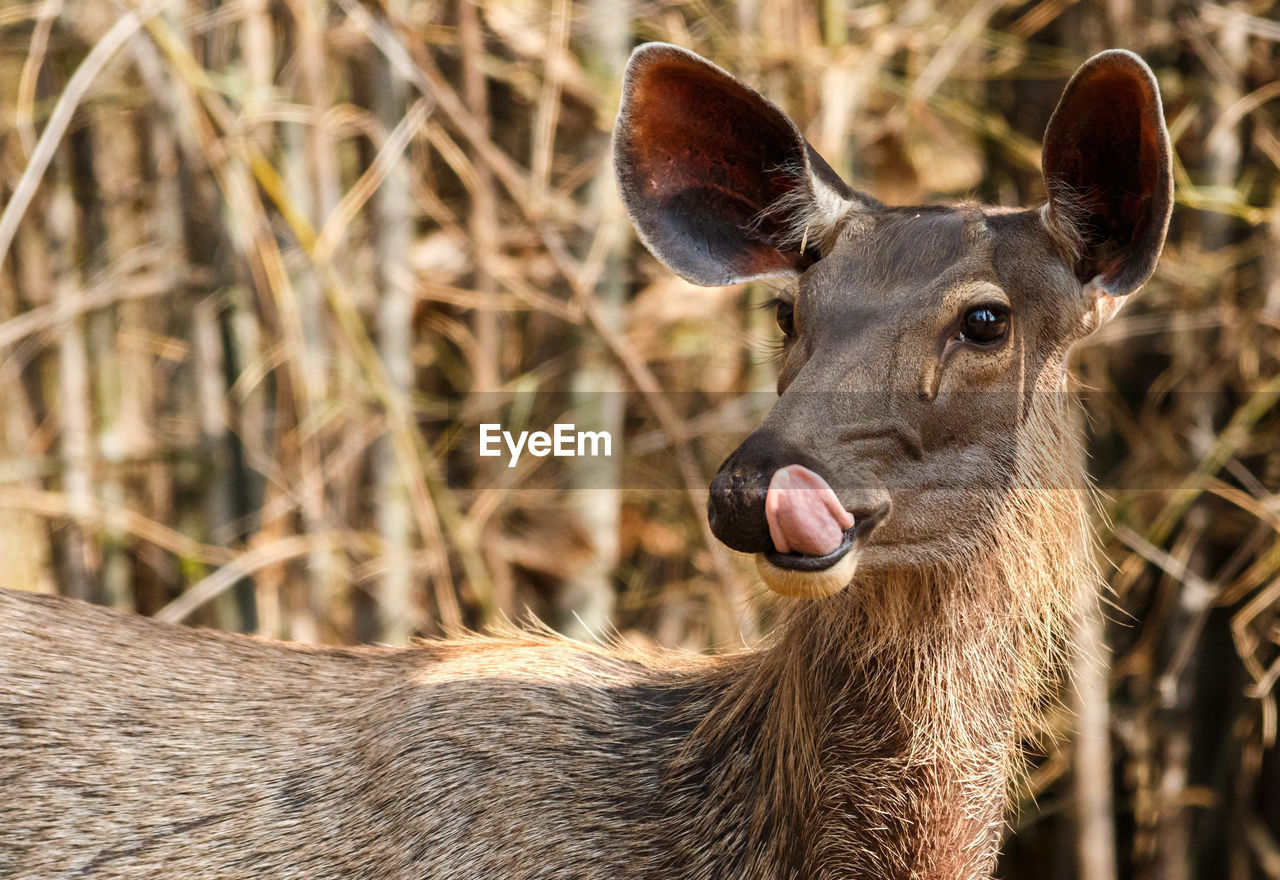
812,536
809,529
853,536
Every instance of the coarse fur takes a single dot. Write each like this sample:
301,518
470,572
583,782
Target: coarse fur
875,734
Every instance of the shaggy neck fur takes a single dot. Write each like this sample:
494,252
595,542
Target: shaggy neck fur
878,737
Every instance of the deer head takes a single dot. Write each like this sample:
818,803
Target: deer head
918,340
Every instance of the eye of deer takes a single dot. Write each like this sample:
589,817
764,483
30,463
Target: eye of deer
786,318
985,325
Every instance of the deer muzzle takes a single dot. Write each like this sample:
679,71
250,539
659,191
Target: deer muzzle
805,539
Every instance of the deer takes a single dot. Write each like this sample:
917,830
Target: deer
916,496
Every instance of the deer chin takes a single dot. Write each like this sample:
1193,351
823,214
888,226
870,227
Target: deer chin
805,576
809,577
801,576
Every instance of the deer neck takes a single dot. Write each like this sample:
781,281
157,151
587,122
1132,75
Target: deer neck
914,725
883,726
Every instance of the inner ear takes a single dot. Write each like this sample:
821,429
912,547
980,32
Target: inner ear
703,148
1107,170
718,181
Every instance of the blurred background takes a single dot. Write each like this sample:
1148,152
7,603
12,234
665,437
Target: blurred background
266,266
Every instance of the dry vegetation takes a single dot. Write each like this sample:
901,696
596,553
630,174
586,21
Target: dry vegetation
266,266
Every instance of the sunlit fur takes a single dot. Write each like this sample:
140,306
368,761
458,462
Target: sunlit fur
807,584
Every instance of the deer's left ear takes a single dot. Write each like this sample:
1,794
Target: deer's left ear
1108,171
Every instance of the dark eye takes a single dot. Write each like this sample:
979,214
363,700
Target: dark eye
985,325
786,318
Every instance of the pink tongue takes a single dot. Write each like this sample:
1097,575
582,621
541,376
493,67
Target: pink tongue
804,514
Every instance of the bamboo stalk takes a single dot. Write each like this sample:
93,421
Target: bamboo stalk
586,601
79,568
399,615
312,185
1091,770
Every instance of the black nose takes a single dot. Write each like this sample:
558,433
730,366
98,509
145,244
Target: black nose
735,506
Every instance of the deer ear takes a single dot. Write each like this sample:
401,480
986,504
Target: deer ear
718,181
1108,171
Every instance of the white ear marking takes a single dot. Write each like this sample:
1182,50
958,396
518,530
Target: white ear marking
811,210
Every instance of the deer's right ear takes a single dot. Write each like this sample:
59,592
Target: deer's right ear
1108,171
719,182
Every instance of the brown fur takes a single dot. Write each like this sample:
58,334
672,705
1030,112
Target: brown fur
877,733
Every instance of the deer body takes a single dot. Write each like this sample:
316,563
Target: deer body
228,757
919,481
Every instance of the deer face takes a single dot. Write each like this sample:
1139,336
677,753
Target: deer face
920,343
